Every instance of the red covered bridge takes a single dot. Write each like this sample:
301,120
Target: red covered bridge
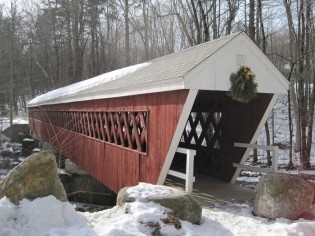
125,126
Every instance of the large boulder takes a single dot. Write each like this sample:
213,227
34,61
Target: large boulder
37,176
181,204
282,195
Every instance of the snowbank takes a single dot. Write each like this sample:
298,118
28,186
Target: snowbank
48,216
43,216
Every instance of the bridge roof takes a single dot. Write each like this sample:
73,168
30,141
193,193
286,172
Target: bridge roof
205,66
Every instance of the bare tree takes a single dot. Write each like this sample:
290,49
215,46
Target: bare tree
12,38
300,52
127,47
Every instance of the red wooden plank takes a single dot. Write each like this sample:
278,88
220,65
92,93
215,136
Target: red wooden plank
120,135
147,168
92,124
112,128
111,178
135,134
99,161
107,130
128,169
86,124
88,153
127,122
97,125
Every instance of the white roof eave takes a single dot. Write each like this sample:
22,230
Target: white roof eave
175,84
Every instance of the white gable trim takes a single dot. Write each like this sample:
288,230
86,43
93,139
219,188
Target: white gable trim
271,66
214,72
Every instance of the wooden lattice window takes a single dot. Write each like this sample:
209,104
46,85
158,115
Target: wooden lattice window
124,128
202,129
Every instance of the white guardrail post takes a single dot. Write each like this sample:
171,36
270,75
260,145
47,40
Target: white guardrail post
189,175
189,171
275,158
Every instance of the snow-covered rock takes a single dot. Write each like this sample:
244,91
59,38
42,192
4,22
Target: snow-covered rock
28,145
37,176
281,195
181,204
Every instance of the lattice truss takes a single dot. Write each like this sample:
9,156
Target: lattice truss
202,129
124,128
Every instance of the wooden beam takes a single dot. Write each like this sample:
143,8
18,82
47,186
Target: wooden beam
179,175
253,168
255,146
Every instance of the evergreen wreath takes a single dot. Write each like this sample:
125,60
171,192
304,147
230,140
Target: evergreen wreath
243,85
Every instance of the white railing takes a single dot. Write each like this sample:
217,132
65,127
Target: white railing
189,175
274,150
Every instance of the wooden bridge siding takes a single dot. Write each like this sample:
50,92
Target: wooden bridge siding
117,167
111,165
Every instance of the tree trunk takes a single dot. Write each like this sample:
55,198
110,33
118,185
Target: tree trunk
206,32
232,9
214,20
255,155
196,22
146,29
127,40
290,163
13,15
269,162
291,93
251,23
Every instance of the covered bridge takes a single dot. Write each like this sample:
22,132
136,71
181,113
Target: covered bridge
124,127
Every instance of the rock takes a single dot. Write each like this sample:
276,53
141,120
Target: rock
312,182
37,176
13,131
28,145
313,202
21,136
311,179
309,214
182,204
281,195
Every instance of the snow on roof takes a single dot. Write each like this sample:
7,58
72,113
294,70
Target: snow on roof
85,84
187,69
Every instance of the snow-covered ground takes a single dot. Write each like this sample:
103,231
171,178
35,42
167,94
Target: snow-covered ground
48,216
279,126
